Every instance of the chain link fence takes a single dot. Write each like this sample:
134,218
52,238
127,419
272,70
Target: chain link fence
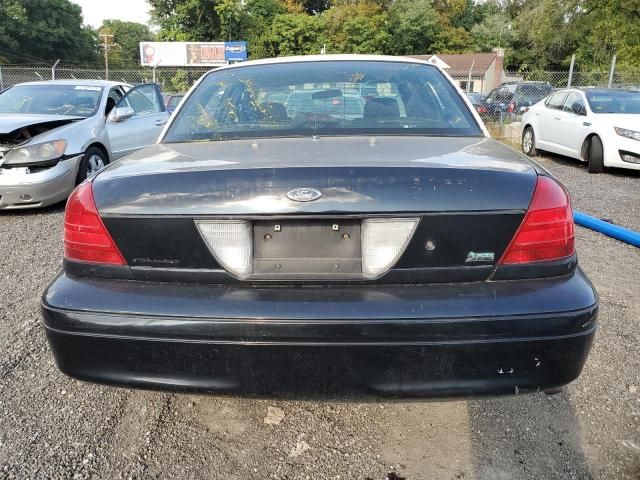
171,79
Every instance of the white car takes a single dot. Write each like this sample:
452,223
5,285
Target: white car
597,126
56,133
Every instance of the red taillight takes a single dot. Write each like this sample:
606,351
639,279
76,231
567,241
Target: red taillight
511,107
85,237
481,109
547,231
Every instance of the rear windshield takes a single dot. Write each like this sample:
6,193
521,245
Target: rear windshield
532,92
322,98
75,100
614,102
502,94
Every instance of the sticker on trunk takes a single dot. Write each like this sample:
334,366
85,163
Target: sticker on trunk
479,257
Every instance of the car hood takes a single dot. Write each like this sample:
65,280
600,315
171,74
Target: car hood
355,174
630,121
10,122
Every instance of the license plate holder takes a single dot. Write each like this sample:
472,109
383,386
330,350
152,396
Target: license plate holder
307,247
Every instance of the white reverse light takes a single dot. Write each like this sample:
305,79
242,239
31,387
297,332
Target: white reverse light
230,242
383,241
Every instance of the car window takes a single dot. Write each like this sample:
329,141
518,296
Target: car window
74,100
174,101
556,101
502,95
572,98
144,100
531,93
614,101
114,96
348,104
307,98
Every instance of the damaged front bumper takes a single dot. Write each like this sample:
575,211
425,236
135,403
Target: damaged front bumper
22,187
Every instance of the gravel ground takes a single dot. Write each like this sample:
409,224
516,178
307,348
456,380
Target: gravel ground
55,427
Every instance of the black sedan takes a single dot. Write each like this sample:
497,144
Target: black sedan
387,246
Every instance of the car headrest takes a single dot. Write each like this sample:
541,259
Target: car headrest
274,111
381,107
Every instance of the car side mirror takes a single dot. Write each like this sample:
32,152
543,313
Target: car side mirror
120,114
578,109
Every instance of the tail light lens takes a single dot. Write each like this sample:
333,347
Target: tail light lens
230,242
85,237
511,107
547,230
383,241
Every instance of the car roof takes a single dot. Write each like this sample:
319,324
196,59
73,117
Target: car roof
327,58
526,82
88,83
607,90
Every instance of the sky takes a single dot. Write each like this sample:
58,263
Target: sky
95,11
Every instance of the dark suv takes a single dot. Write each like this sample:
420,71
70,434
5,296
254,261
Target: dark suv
512,98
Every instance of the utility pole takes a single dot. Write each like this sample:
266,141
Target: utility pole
108,43
613,69
573,62
470,74
53,69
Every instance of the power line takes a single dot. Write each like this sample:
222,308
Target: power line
43,61
23,56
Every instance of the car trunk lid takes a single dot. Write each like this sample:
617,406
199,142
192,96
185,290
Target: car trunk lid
353,174
438,209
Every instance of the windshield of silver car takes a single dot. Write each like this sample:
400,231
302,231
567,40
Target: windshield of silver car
74,100
322,98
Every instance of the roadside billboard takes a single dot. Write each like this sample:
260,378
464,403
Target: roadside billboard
197,54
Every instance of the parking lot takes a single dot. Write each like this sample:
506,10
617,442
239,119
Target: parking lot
55,427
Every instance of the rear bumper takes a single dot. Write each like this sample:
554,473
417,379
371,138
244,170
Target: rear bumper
418,340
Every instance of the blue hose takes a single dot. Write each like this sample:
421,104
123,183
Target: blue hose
609,229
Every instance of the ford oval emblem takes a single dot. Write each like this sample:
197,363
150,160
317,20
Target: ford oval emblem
303,194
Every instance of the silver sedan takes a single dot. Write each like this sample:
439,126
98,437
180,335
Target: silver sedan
54,134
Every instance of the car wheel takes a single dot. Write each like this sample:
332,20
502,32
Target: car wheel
529,142
596,156
92,162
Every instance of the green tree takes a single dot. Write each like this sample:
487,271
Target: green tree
259,15
545,33
609,26
179,82
414,26
45,30
359,27
256,23
230,16
295,34
453,40
186,20
494,31
127,37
